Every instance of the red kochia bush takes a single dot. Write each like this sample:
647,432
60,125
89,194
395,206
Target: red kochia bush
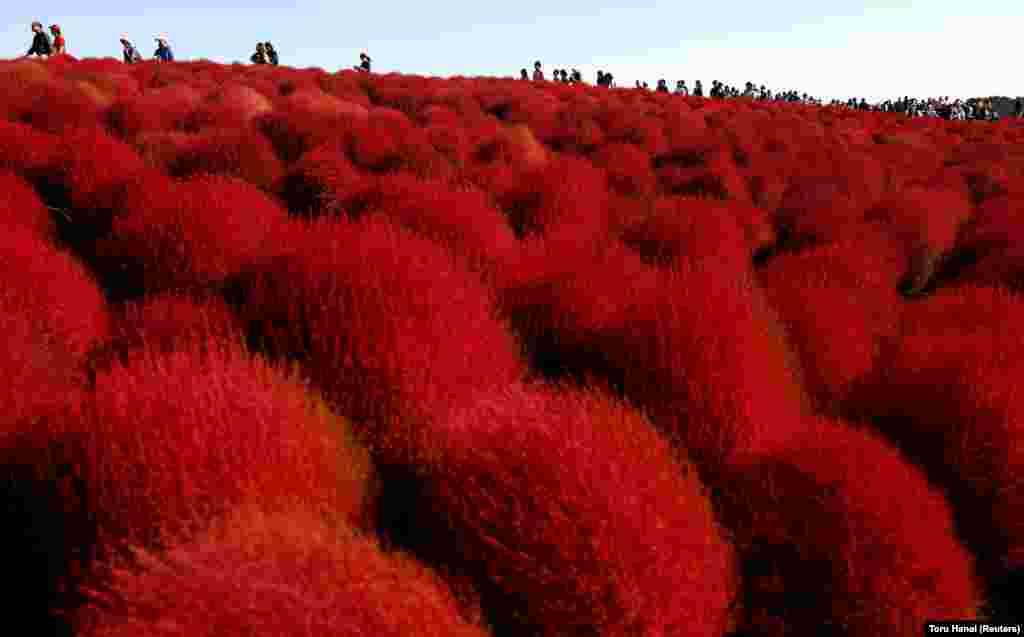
926,223
166,322
241,153
947,393
285,574
838,529
20,206
192,234
24,149
837,316
574,516
388,324
701,231
52,106
701,350
568,196
817,209
51,290
322,181
994,237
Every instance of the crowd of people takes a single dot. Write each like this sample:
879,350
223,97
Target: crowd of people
943,107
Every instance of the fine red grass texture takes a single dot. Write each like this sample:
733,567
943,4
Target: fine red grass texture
240,153
388,324
701,351
193,234
51,290
20,206
947,394
281,574
838,529
926,222
464,221
322,182
567,196
25,150
167,322
993,238
574,516
174,439
817,209
52,106
702,231
836,317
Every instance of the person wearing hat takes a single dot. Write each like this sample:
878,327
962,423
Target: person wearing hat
59,47
40,42
271,53
131,54
364,63
163,49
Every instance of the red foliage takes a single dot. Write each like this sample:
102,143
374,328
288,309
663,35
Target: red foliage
238,153
20,206
566,197
191,234
694,347
817,209
574,516
322,181
993,238
701,231
837,316
628,167
53,106
52,291
926,223
285,574
388,324
165,323
24,149
946,393
837,528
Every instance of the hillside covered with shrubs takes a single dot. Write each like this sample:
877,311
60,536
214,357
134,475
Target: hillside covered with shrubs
289,353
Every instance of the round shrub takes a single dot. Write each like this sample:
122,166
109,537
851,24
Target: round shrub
573,516
838,529
189,235
21,207
308,578
387,324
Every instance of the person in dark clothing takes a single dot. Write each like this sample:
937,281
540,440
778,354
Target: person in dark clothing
59,46
662,86
40,42
565,76
260,56
1018,107
364,63
600,78
538,72
698,89
131,54
576,77
163,49
524,74
271,53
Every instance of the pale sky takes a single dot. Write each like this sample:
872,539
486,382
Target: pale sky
829,49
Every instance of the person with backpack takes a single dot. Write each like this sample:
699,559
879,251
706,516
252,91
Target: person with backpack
59,46
271,53
364,63
163,50
40,42
260,56
130,53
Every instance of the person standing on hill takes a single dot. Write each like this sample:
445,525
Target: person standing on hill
524,75
681,88
260,56
59,46
131,54
40,42
1018,107
662,86
538,72
271,53
698,89
364,63
163,49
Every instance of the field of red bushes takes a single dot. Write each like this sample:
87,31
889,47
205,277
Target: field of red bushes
290,353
